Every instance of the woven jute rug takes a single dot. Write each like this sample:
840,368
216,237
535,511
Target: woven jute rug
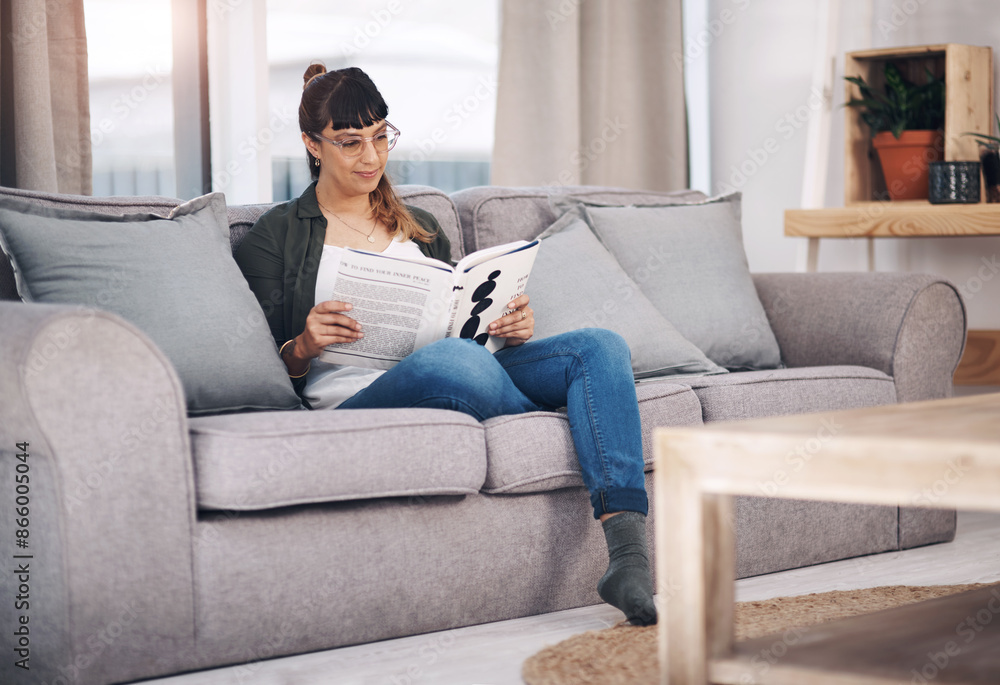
627,655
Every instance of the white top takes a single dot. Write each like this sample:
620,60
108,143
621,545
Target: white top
327,385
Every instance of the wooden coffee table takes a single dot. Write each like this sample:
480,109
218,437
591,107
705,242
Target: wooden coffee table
941,453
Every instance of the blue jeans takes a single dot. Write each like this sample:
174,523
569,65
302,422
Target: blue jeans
588,371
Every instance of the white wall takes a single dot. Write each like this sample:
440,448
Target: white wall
760,56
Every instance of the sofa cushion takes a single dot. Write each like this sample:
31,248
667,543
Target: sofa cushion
102,205
689,261
576,283
443,209
551,462
752,394
174,278
241,220
263,461
493,215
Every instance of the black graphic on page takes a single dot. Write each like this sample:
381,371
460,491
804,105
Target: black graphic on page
483,302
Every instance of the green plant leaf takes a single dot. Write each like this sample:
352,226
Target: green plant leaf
903,105
984,139
870,103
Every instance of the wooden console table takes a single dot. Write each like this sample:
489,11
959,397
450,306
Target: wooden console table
900,219
942,453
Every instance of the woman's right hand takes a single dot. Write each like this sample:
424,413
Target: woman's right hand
327,324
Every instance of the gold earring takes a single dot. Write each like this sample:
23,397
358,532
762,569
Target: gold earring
317,161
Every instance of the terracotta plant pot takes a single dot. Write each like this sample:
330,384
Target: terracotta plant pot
905,161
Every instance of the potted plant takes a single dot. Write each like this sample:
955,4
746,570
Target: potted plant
906,122
989,155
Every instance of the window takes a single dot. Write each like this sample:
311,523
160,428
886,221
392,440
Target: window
435,62
131,103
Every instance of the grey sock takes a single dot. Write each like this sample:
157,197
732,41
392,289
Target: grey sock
628,584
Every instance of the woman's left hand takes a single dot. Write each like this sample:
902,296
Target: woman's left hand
517,326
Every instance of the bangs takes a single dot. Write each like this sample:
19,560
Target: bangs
352,105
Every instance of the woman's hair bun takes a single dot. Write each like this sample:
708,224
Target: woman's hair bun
312,71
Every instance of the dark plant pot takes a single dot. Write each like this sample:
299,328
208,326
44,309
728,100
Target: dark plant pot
990,158
905,161
953,182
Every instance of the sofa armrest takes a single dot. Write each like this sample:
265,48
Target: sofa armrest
110,497
909,326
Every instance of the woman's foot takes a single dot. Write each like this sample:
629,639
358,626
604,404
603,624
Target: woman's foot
627,584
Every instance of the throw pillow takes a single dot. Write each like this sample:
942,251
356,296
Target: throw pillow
174,278
576,283
689,261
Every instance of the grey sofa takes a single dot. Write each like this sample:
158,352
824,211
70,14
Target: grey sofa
165,543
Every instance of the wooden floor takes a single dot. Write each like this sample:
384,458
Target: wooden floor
492,654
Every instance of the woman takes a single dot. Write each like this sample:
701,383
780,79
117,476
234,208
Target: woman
290,259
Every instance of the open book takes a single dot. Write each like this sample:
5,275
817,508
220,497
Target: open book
405,303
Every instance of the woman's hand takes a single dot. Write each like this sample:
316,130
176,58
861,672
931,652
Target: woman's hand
326,324
517,326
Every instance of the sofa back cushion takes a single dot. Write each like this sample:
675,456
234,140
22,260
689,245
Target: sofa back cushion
576,283
117,206
443,209
493,215
174,278
690,262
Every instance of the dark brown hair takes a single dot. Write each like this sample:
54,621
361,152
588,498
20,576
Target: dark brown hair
347,98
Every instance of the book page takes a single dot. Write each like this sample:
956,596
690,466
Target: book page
401,306
486,289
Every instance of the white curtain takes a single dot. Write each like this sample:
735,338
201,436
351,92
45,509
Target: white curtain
591,92
44,97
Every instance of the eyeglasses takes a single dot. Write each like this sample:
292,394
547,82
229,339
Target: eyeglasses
353,146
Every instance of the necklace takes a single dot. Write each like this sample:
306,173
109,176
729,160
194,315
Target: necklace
369,236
